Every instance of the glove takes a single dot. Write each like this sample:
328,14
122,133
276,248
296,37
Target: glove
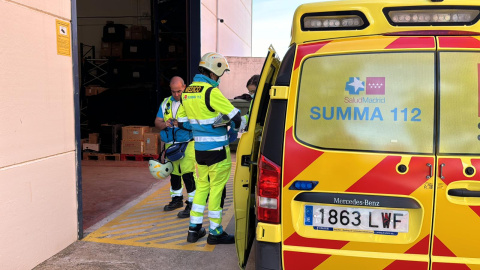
243,124
232,133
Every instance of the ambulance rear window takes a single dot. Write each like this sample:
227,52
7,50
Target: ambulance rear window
379,102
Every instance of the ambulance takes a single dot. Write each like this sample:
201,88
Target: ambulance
362,149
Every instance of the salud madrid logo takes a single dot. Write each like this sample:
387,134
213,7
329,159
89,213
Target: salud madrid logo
372,86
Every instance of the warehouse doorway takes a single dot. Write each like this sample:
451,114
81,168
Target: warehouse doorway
128,51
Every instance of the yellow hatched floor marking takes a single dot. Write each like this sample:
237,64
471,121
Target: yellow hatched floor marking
147,225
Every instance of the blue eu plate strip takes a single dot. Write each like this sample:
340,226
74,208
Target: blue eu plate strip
308,215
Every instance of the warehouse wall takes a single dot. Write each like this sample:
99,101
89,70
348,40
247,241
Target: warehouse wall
38,203
234,35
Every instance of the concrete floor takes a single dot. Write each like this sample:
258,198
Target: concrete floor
109,185
110,188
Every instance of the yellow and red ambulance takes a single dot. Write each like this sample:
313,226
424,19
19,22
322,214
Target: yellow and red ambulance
362,149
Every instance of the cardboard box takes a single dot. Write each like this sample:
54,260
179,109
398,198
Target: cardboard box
106,49
91,146
92,90
138,32
117,49
82,141
93,138
134,133
132,147
152,142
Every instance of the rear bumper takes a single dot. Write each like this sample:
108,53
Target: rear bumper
268,253
268,256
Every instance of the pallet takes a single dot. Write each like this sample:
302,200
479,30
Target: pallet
136,157
100,156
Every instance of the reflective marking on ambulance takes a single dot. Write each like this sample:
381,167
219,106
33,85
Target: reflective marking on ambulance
302,158
364,44
376,175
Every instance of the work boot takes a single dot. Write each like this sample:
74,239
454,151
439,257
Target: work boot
195,233
185,213
223,238
177,202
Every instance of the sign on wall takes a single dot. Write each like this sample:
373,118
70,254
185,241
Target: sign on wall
63,38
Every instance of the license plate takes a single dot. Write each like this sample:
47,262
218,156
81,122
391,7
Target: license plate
370,220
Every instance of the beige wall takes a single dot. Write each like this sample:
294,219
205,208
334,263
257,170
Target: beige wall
233,83
234,41
38,204
233,37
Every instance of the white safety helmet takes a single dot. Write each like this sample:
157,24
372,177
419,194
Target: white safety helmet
214,62
160,170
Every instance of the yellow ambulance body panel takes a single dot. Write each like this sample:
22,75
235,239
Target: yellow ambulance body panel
363,145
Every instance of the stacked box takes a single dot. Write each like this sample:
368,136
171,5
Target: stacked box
95,147
106,49
152,143
132,147
132,139
137,32
113,32
134,133
117,49
92,90
111,49
93,138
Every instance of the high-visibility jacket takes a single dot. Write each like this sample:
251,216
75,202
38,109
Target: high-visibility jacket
202,106
169,109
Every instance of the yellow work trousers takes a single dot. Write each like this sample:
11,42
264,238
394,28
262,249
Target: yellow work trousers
210,184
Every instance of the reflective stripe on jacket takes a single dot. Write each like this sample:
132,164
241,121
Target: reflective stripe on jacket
171,135
201,108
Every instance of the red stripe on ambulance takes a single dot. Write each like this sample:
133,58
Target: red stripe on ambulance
453,170
449,266
301,260
412,42
296,240
385,179
421,247
307,49
297,158
440,249
458,42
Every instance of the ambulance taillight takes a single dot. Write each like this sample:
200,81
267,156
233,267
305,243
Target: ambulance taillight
268,191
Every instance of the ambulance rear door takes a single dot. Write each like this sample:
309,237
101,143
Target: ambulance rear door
359,158
246,162
456,231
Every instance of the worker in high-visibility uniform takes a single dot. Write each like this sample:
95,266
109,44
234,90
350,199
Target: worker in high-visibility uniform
203,105
170,134
252,85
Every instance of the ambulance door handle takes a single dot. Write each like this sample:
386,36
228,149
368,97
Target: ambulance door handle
431,171
246,161
463,192
441,171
